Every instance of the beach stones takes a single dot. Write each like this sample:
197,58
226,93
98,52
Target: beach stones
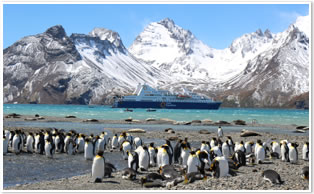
136,131
70,116
239,122
247,133
204,131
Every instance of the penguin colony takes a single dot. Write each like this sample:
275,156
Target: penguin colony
218,157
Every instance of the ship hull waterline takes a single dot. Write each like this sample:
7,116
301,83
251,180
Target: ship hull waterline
167,105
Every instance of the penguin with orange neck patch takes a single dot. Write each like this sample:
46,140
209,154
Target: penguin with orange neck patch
98,167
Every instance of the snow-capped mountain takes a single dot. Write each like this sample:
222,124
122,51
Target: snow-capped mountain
258,69
261,67
54,68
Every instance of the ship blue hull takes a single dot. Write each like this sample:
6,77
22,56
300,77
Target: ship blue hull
166,105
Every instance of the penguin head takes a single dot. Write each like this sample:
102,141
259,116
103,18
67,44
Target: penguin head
143,180
100,153
151,144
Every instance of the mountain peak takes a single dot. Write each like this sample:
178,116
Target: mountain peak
106,34
56,31
302,23
167,22
259,32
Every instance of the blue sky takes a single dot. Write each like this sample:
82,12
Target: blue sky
217,25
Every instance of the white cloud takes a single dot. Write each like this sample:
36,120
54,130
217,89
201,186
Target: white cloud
289,17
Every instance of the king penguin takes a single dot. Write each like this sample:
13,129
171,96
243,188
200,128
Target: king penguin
30,142
225,149
284,151
80,144
88,149
133,160
260,153
152,154
5,144
125,146
98,167
193,163
305,151
220,167
49,148
137,142
275,146
272,176
114,142
185,153
143,159
163,156
220,132
17,143
293,153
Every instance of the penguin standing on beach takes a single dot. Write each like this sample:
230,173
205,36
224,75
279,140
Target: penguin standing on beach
5,144
17,142
225,149
125,146
293,153
177,151
88,149
220,132
49,148
193,163
185,153
152,154
59,142
284,151
248,147
220,167
163,156
260,153
98,167
30,142
275,146
305,151
80,144
205,146
70,147
231,144
137,142
143,159
114,142
133,161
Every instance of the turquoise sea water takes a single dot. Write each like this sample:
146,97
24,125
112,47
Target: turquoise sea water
262,116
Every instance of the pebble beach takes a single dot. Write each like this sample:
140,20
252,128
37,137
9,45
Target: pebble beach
78,171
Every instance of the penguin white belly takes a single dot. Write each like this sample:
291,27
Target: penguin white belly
5,145
192,163
101,145
70,150
114,142
47,150
260,155
36,144
217,151
121,139
143,159
98,168
137,142
293,155
57,141
80,144
185,153
152,155
16,144
130,159
225,150
276,148
126,146
220,133
248,148
164,158
29,143
7,134
283,151
88,151
212,143
66,142
223,166
304,152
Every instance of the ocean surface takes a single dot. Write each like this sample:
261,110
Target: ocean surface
261,116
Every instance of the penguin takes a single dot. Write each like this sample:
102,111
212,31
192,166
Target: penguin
216,151
193,162
168,172
193,176
137,142
152,154
109,168
177,151
186,142
143,158
220,132
101,144
239,158
260,153
121,138
129,138
275,147
225,149
239,146
204,159
305,173
293,153
220,167
5,144
305,151
185,153
30,142
125,146
133,160
163,156
213,142
49,148
80,144
70,147
98,167
114,142
284,151
129,174
231,144
17,143
88,149
57,142
205,146
170,150
66,141
272,176
248,147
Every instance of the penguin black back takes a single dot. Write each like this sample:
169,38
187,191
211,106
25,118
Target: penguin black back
272,176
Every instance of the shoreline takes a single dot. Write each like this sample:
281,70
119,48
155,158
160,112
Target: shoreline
250,176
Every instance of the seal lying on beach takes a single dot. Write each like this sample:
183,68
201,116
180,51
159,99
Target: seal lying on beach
246,133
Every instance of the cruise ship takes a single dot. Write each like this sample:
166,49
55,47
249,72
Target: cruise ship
147,97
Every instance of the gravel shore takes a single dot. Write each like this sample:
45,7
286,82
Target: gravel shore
247,178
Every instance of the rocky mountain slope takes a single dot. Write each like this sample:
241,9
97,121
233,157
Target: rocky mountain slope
260,69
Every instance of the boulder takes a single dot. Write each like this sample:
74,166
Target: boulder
136,131
150,119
